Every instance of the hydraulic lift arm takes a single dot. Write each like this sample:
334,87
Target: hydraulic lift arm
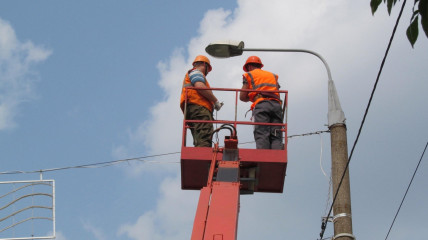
218,208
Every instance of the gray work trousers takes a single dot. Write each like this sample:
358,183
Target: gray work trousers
268,137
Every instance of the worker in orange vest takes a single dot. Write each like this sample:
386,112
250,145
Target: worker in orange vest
200,103
266,106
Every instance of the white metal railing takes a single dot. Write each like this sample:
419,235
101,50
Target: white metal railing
27,210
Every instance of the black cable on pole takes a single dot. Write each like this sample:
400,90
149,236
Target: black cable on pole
324,223
414,173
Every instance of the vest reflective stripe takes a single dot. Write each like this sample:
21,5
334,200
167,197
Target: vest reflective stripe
266,85
254,86
264,81
193,96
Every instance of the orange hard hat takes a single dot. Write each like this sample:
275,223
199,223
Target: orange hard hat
202,58
252,59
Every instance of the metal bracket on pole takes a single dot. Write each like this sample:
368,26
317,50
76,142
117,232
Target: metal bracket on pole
327,219
344,235
341,215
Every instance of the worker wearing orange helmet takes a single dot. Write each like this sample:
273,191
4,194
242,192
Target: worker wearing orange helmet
266,106
200,103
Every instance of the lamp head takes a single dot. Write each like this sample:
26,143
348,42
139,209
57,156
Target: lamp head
225,49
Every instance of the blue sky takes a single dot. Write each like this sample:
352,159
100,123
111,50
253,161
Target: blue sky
93,81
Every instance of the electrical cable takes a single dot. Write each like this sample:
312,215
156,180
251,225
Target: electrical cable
297,135
328,177
404,197
229,127
322,169
114,162
217,140
91,165
324,223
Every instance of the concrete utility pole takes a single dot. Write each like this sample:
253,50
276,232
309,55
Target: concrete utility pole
342,218
342,206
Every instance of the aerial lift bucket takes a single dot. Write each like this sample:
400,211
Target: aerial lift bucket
223,174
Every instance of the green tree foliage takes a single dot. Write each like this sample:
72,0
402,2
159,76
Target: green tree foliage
420,8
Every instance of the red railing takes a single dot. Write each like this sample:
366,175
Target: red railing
283,95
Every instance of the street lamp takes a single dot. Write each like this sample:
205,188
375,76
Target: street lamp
336,124
226,49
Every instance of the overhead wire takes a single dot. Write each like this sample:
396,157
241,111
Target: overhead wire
296,135
405,194
328,177
90,165
325,222
114,162
321,150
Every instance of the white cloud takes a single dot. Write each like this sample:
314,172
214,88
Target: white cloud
276,25
16,75
60,236
174,211
95,231
350,39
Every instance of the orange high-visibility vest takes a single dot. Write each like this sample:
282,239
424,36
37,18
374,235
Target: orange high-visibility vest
193,97
262,80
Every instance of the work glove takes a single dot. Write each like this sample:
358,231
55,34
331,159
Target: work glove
218,105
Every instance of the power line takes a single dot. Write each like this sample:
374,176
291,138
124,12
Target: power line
114,162
414,173
296,135
325,222
91,165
